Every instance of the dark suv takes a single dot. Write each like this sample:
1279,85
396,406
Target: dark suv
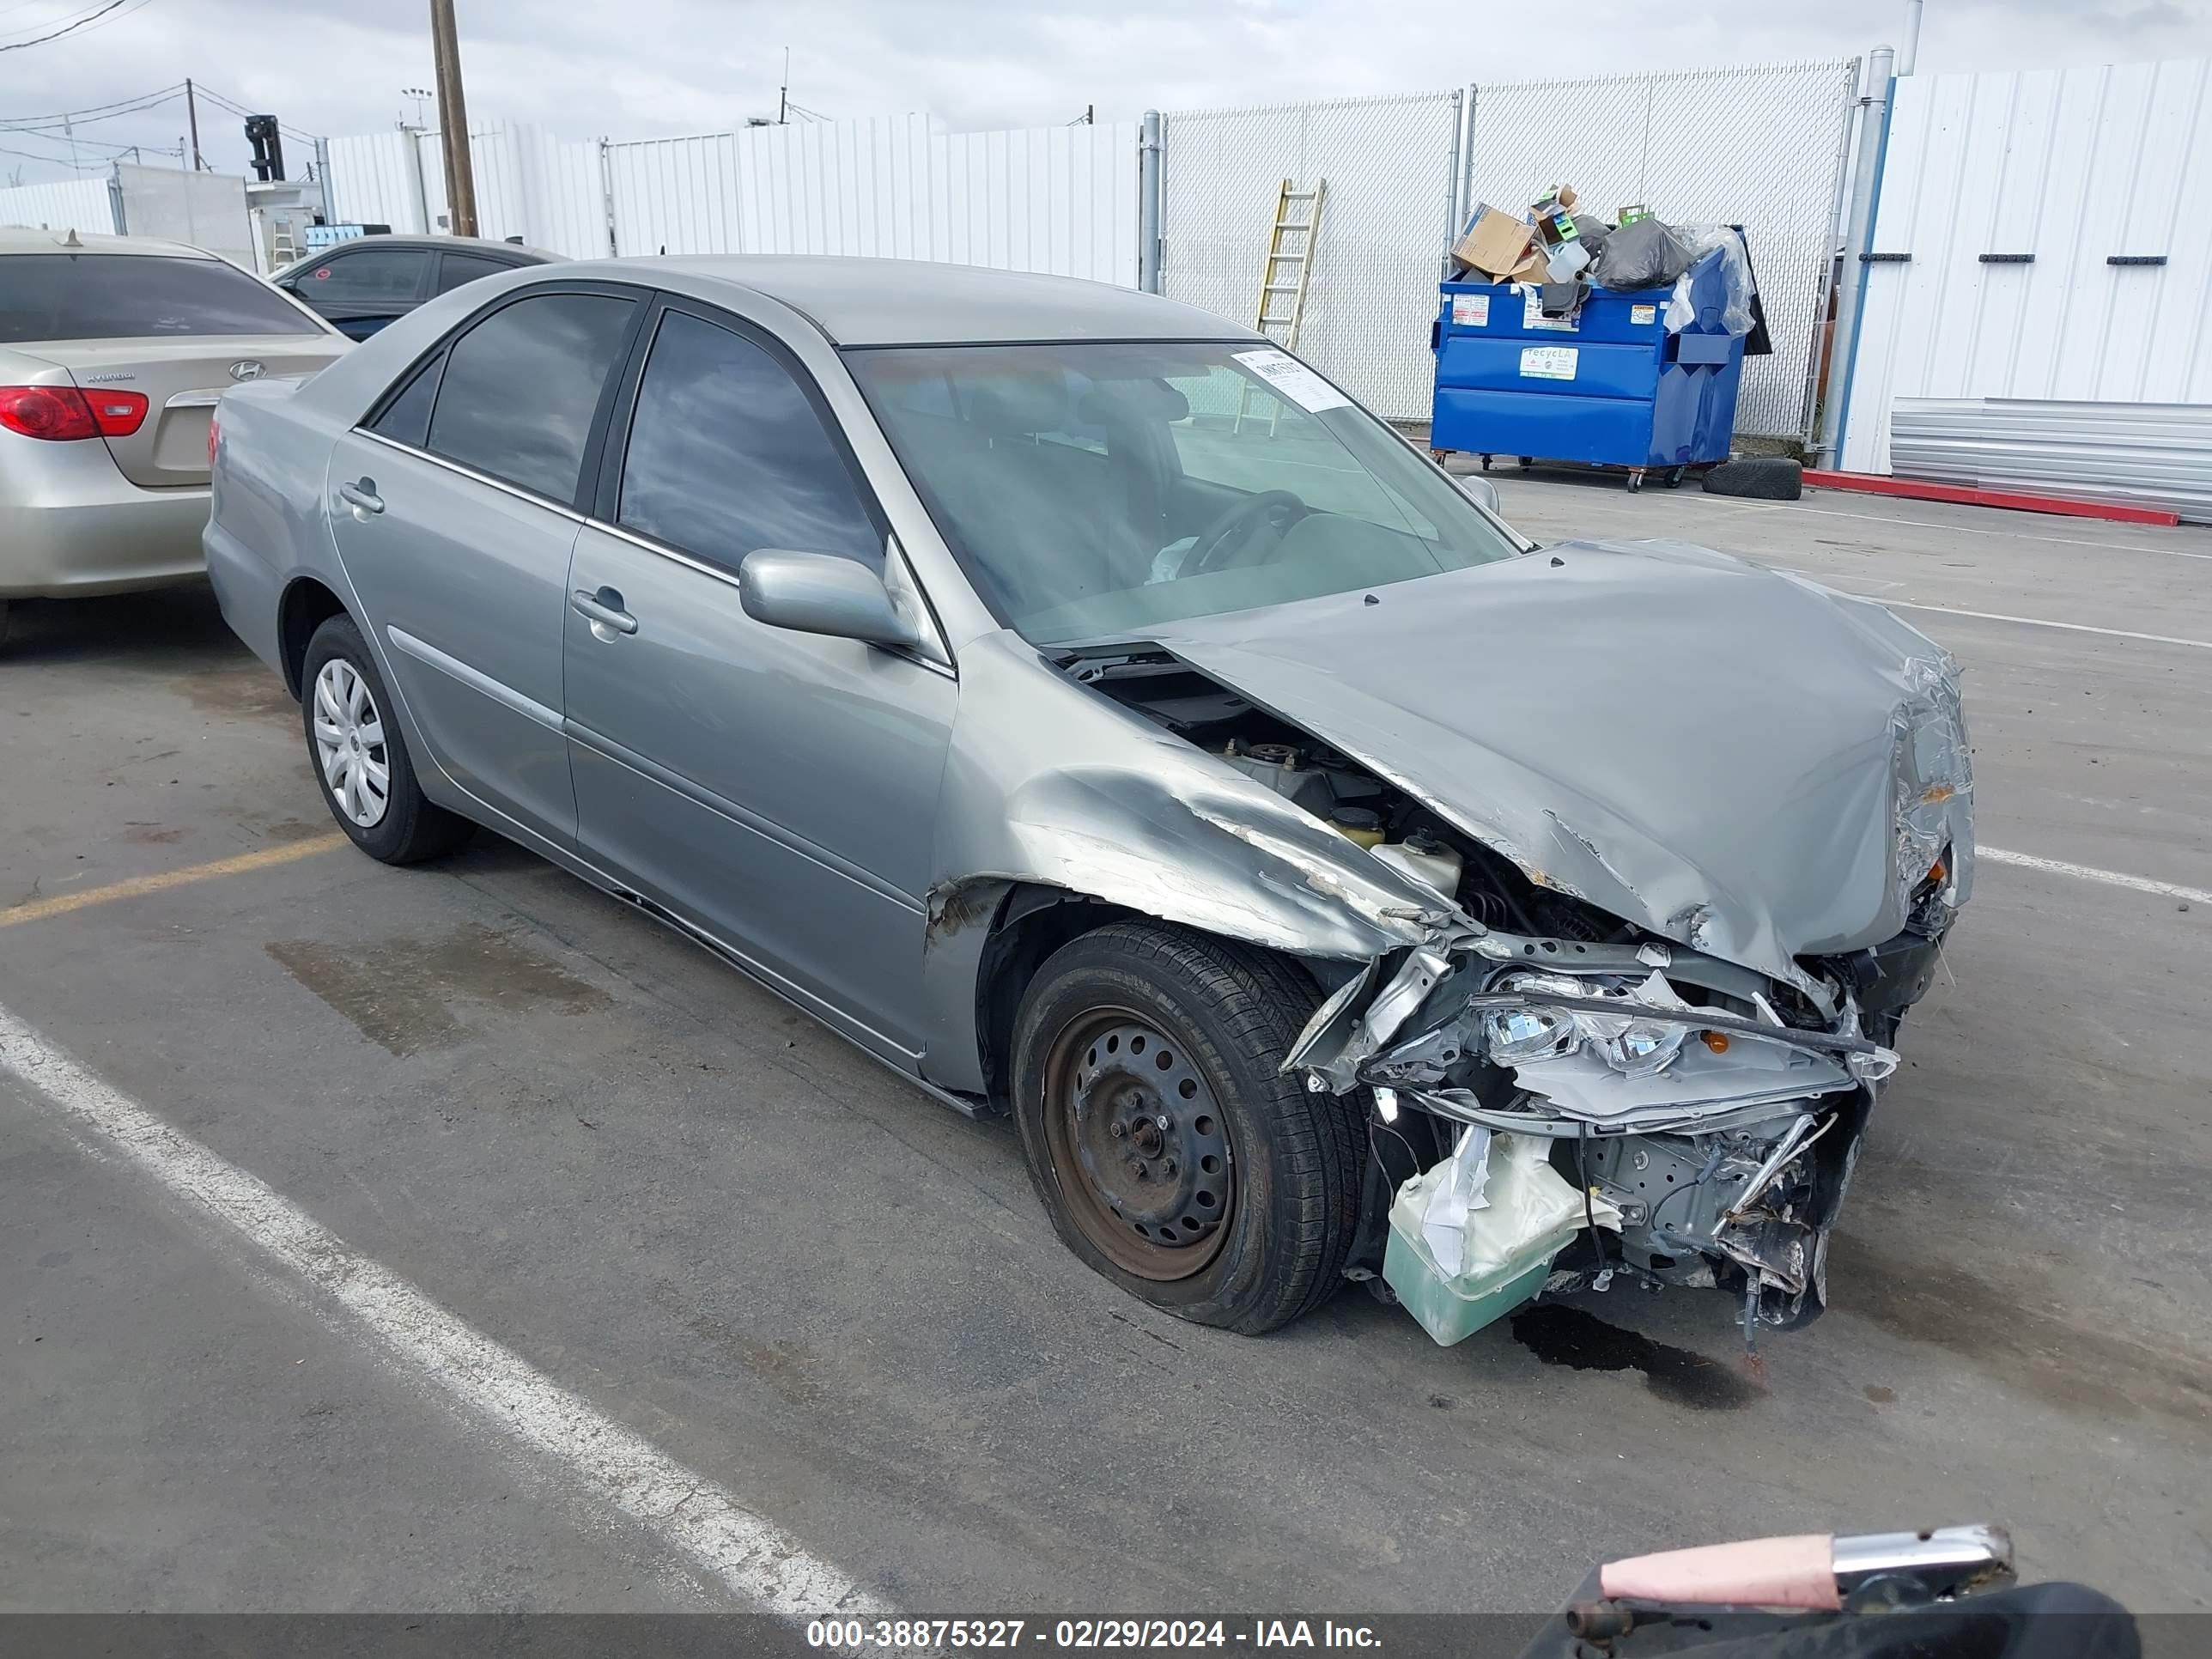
362,284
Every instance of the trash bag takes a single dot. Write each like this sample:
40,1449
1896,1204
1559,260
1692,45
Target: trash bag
1736,312
1648,254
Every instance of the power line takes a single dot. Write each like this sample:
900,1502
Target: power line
238,109
69,28
93,111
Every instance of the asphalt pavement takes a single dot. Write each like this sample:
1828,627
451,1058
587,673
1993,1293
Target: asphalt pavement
712,1227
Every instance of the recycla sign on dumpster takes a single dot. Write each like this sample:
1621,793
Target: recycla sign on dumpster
1635,361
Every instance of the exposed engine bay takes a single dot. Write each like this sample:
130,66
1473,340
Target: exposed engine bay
1707,1115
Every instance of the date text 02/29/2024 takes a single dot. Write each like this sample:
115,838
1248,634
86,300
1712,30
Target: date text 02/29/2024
855,1635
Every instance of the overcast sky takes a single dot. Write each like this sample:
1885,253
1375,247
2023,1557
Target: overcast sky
639,68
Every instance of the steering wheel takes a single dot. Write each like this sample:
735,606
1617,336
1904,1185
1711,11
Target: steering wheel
1277,506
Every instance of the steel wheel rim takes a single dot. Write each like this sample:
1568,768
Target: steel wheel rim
1155,1201
350,746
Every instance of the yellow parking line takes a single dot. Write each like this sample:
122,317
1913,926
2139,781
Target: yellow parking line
284,853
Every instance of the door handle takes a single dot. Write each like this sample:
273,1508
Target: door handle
362,498
605,610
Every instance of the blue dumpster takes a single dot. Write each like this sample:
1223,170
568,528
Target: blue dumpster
1613,386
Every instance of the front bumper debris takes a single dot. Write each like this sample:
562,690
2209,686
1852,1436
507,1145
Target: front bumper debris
1670,1084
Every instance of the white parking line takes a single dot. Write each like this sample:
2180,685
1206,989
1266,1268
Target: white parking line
2044,622
599,1459
2090,873
1977,530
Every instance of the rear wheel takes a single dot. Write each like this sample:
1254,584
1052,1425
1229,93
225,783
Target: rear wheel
1170,1151
359,757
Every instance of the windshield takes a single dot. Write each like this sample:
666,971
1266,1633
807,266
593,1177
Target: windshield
130,296
1092,490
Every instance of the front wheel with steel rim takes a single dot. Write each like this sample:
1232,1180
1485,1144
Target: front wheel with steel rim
1170,1151
359,757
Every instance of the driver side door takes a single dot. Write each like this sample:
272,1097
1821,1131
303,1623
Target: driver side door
775,790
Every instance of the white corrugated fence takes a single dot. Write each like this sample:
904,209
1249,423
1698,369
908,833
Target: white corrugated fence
65,204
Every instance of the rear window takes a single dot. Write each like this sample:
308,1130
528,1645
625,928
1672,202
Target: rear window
128,296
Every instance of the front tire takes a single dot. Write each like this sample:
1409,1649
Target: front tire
1170,1151
361,758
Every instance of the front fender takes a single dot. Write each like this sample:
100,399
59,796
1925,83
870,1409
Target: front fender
1050,784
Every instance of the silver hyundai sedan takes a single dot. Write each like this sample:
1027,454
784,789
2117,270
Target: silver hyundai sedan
112,352
1085,708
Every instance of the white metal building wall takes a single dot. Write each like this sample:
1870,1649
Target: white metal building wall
1385,220
374,181
66,204
1760,146
2075,167
548,190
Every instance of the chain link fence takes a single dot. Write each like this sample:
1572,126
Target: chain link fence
1762,148
1388,167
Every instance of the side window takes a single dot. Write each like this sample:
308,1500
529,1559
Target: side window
521,388
728,454
455,269
406,418
368,276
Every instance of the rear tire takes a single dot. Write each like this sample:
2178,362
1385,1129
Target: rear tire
1172,1154
360,757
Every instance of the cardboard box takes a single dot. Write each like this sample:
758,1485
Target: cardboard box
1532,269
1496,244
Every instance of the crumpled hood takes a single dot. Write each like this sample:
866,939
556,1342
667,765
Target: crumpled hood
1734,758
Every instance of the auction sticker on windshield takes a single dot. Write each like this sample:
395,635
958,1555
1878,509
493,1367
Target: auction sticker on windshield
1287,376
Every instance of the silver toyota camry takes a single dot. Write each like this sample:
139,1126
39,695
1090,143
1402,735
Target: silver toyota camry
112,352
1085,708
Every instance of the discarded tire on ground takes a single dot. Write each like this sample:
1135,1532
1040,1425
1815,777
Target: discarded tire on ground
1765,478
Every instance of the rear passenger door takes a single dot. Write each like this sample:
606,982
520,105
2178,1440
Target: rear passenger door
776,789
455,506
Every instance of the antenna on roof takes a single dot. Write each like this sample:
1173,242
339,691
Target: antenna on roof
72,239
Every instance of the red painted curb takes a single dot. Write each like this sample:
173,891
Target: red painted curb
2019,500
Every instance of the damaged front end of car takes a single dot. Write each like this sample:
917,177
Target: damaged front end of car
1674,1089
1686,899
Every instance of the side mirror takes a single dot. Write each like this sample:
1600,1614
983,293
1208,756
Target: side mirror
822,594
1484,492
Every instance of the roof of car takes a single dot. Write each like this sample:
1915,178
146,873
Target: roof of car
865,302
18,239
452,244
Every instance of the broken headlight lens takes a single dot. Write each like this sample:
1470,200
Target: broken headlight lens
1631,1046
1514,1035
1641,1047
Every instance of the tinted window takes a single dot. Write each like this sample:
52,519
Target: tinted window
454,268
118,296
521,388
406,418
726,454
370,276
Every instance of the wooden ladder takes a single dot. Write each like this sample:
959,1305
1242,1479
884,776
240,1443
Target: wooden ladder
1286,277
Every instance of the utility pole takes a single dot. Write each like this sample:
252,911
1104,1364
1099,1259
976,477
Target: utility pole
192,119
454,121
783,92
